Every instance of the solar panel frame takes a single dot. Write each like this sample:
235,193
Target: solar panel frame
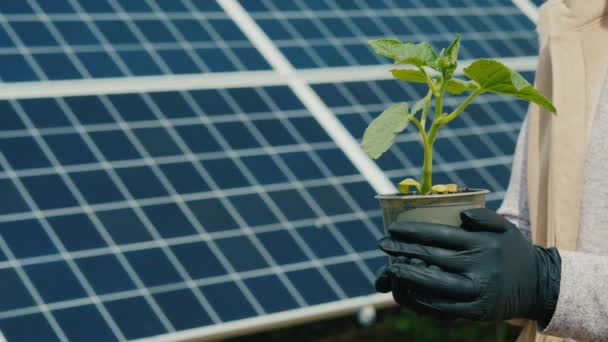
305,79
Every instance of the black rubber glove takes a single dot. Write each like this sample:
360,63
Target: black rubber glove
485,270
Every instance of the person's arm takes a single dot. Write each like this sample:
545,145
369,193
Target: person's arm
514,206
582,306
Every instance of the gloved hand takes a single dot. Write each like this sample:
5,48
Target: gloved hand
485,270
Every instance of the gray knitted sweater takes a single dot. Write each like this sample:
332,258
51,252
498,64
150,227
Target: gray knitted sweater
582,306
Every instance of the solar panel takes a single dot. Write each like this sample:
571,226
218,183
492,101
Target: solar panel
71,39
314,34
136,207
167,215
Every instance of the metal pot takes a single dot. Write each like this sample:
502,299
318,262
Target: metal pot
435,208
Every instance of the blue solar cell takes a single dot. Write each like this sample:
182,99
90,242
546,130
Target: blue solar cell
363,194
49,192
312,286
11,199
264,169
76,232
251,58
225,173
227,30
10,119
172,104
182,309
33,33
99,64
228,301
157,142
114,145
101,6
298,57
476,146
237,135
116,32
274,29
216,60
15,7
96,187
284,98
358,236
337,162
75,32
330,94
282,247
153,267
198,260
184,177
504,142
169,220
141,182
84,323
14,294
211,102
292,204
145,323
132,107
271,293
252,211
26,239
501,174
330,55
124,226
248,100
367,26
220,220
32,327
140,63
54,281
447,150
301,165
57,66
88,109
362,54
23,153
472,179
321,241
198,138
351,279
105,274
362,93
44,113
5,40
69,149
241,253
309,129
179,61
306,28
274,132
192,30
155,31
330,201
59,6
337,27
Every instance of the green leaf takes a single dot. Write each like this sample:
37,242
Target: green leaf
381,132
449,61
496,77
452,51
454,86
420,55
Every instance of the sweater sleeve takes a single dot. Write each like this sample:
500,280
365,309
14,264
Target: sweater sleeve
515,204
582,307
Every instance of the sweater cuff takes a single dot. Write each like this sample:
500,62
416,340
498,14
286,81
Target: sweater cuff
573,316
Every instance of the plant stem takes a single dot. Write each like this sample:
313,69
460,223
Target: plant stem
453,115
427,166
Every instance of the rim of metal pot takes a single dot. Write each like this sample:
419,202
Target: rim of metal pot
469,192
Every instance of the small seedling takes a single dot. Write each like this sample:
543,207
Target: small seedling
437,71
